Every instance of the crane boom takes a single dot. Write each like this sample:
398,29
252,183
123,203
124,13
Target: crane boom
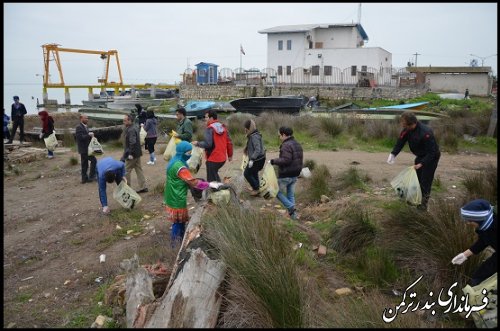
54,49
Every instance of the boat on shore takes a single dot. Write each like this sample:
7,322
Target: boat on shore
198,107
258,105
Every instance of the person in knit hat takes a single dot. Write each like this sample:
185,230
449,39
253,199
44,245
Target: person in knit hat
479,214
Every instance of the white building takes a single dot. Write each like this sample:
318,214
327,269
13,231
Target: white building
328,46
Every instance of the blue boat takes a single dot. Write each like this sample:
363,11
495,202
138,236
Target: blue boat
408,106
198,108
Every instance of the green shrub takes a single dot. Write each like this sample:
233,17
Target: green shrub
377,266
355,232
352,178
319,183
263,277
482,184
73,161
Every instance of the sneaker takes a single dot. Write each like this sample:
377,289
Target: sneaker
150,162
50,156
144,190
154,160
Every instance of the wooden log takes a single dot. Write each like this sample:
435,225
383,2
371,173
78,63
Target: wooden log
192,298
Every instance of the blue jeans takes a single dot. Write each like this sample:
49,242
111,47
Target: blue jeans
287,186
50,153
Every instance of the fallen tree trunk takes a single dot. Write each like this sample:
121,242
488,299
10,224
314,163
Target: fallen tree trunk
192,298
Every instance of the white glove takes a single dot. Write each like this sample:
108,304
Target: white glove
130,157
391,158
106,210
250,164
40,135
91,134
214,185
124,180
268,161
459,259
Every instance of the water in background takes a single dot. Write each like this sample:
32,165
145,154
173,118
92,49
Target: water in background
28,94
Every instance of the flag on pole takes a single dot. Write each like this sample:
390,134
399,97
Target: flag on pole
241,50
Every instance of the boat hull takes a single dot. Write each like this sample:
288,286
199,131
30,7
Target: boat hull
259,105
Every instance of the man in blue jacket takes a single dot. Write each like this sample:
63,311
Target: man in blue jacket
109,170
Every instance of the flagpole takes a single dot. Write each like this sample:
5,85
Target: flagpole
241,68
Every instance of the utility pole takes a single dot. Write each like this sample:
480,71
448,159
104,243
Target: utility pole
416,55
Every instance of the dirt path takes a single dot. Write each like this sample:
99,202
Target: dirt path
54,231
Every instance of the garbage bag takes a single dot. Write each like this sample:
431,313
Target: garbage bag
244,162
486,317
268,185
220,198
407,186
170,150
142,135
126,196
95,147
194,162
51,141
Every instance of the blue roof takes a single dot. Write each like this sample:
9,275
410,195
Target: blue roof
362,32
208,64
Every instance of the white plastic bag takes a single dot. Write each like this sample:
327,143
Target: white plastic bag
95,147
51,141
142,135
305,173
486,317
126,196
268,187
219,198
407,186
194,162
170,150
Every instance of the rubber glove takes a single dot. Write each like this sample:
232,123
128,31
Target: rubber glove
40,135
202,185
130,157
250,164
214,185
391,158
459,259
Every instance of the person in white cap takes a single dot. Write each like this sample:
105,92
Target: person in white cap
479,213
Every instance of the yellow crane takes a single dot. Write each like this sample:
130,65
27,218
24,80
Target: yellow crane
51,53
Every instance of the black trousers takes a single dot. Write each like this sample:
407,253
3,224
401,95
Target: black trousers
425,177
150,144
85,158
17,121
252,174
213,171
485,270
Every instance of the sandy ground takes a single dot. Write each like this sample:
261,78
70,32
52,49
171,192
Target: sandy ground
54,230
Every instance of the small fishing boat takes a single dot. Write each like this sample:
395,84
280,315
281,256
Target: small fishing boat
198,108
257,105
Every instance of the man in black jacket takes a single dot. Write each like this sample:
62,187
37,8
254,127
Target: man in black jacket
423,145
290,163
83,137
132,154
17,117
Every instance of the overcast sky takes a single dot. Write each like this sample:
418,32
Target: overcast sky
156,42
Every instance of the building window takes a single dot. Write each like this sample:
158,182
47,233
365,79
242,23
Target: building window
280,70
353,70
315,70
318,45
363,68
328,70
288,44
288,70
310,45
280,45
201,72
